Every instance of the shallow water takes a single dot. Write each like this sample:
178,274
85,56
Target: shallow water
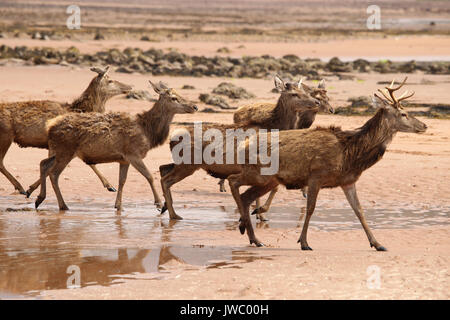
37,247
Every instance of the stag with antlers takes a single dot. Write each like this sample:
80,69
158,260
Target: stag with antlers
326,158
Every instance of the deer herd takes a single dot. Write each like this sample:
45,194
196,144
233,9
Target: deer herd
308,159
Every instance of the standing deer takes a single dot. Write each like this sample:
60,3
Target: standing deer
326,158
112,137
293,99
304,120
24,122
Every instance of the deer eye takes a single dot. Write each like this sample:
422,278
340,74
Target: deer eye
174,99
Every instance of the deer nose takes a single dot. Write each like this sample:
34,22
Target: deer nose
195,108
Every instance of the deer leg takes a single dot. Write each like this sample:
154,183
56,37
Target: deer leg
102,178
139,165
60,164
222,185
260,210
36,184
305,192
44,167
313,191
352,197
176,174
123,172
4,146
245,223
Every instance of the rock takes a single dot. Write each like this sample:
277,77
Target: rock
140,95
124,70
336,65
209,110
230,90
36,36
361,101
147,38
383,66
408,67
99,36
361,65
187,87
223,50
215,100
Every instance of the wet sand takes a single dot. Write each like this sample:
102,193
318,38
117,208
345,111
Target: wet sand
140,254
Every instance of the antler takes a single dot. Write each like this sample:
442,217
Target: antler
404,96
391,89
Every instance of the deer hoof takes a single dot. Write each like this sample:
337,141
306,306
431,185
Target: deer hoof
38,202
164,208
64,208
176,217
256,211
111,189
257,243
28,193
23,192
242,229
381,248
262,218
306,248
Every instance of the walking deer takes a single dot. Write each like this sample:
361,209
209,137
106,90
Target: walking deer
293,99
326,158
24,122
112,137
304,119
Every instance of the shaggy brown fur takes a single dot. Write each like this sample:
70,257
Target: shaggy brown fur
292,101
259,112
113,137
262,113
324,158
24,122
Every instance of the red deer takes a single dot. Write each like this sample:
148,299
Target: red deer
326,158
112,137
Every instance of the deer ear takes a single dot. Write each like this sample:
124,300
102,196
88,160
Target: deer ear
163,86
156,87
100,72
321,84
378,102
105,72
279,84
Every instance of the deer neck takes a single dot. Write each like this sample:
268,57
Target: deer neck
367,145
90,100
283,116
305,119
156,123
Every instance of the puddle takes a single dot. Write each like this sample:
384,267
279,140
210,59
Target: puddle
36,248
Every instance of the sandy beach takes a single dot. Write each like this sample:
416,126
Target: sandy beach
140,254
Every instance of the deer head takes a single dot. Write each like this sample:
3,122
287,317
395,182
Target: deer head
320,93
396,114
295,95
105,87
172,101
